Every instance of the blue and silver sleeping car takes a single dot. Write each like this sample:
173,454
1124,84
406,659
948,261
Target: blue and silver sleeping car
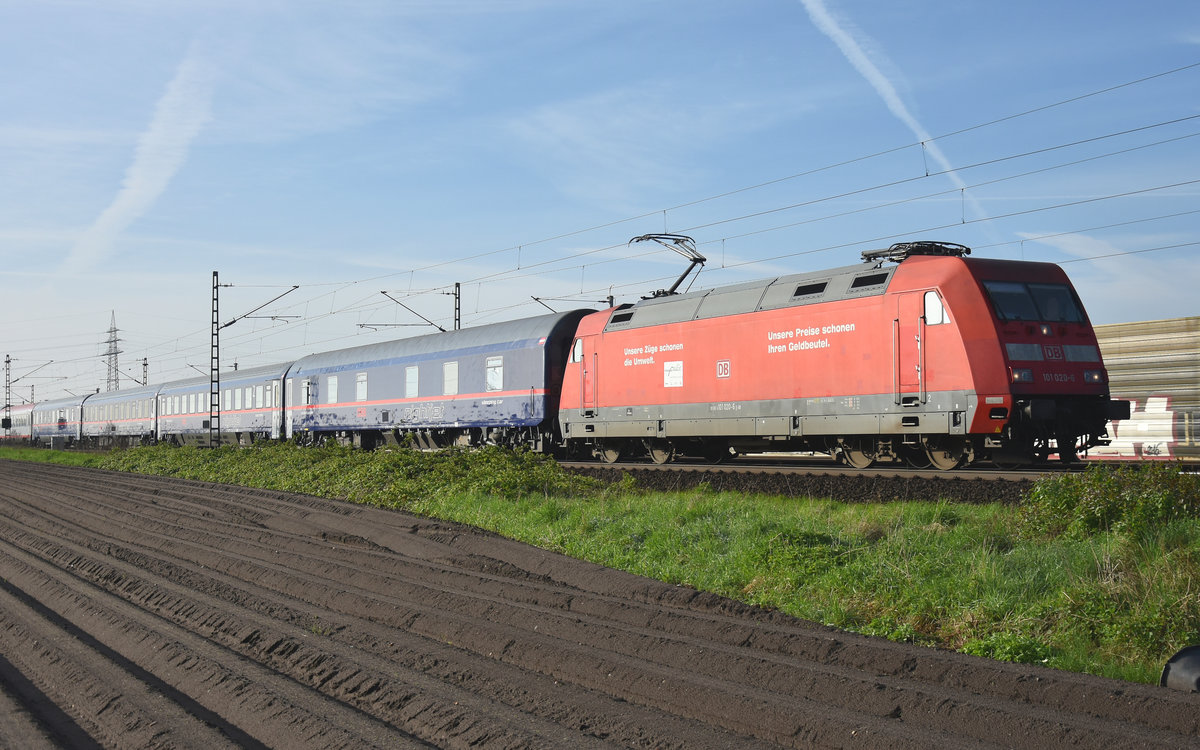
496,383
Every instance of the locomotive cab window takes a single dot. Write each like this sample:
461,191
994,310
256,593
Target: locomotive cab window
1056,303
935,313
1016,300
577,351
495,374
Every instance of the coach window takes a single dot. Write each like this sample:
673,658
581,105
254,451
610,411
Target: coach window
935,314
495,373
410,382
306,392
331,390
577,351
449,378
249,397
258,397
237,399
360,387
228,400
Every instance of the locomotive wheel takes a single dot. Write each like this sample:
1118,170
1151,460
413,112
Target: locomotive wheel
609,453
661,451
858,455
716,454
915,456
945,455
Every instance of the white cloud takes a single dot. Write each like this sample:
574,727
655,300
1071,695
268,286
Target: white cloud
181,113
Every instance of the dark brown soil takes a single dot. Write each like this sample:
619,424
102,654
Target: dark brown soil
151,612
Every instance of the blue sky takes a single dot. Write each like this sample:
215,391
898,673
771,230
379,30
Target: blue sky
363,146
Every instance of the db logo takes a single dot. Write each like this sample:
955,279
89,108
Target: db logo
723,368
1054,353
362,413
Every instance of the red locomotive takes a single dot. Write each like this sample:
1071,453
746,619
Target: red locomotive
920,354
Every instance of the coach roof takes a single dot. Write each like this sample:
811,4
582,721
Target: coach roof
523,333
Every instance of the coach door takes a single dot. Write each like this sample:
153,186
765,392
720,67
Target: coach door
908,342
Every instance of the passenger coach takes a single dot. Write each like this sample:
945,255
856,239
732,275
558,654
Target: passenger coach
125,417
251,407
59,423
496,384
19,425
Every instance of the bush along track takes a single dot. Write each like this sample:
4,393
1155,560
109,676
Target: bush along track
1096,572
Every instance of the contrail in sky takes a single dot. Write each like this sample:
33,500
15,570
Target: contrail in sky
853,51
162,149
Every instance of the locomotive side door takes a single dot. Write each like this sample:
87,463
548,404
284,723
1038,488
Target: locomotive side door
909,334
585,355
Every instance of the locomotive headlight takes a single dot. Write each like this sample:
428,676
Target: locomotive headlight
1022,375
1093,376
1047,330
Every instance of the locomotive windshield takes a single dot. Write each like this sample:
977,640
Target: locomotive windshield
1018,300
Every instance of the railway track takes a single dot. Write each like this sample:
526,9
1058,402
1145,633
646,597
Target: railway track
824,478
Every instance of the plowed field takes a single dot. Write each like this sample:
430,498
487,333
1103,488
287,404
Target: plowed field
149,612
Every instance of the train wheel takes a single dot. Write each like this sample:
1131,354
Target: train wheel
945,455
609,453
915,456
1067,448
716,454
661,451
858,455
